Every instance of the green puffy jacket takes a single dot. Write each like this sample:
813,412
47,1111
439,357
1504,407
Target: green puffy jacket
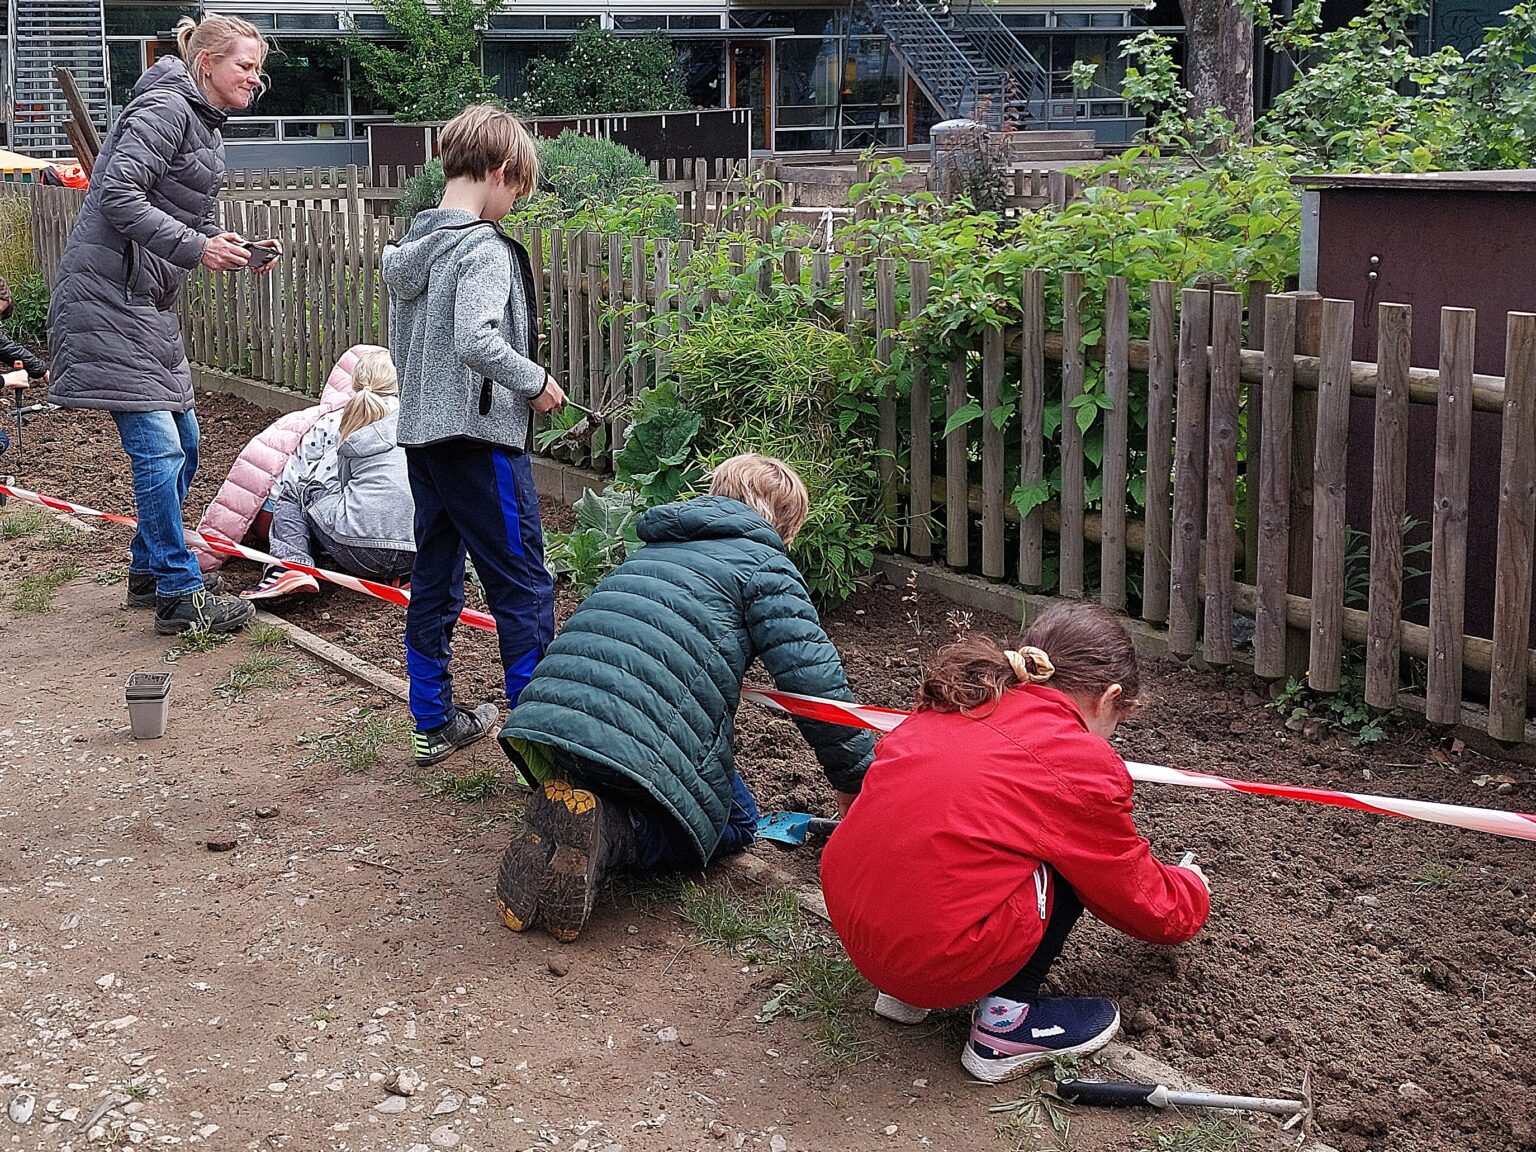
645,677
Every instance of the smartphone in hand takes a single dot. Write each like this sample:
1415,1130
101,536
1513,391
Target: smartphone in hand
261,255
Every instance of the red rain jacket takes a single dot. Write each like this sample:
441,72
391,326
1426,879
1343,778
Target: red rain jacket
931,878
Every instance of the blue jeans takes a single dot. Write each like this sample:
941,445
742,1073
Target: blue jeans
662,845
162,450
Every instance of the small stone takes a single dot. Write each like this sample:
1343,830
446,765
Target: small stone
392,1105
266,811
444,1137
1408,1090
278,1086
557,969
105,983
1141,1020
718,1130
22,1106
920,1083
404,1082
892,1129
418,1148
96,1132
207,1130
667,1035
70,922
222,843
777,1143
1368,901
632,930
477,1061
448,1105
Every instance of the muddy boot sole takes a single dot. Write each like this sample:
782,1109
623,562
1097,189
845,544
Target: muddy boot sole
522,878
572,817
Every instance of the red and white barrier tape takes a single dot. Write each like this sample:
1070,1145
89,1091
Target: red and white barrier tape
1519,825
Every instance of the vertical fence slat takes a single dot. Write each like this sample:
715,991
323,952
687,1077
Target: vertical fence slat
1453,467
1325,655
1221,484
1032,429
1309,336
1389,479
885,344
1253,337
616,393
1117,424
1517,532
992,497
596,376
1274,482
956,495
1189,472
555,326
920,530
575,365
1072,288
1162,370
640,315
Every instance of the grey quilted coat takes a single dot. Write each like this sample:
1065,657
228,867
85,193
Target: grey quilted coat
112,320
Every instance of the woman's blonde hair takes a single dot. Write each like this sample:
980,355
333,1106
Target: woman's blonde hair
484,138
768,486
372,380
215,36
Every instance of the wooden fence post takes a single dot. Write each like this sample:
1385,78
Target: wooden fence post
1073,287
920,528
1517,527
992,496
1189,472
1329,530
1453,467
1117,370
885,344
1389,493
957,510
1162,373
1309,338
1274,476
1221,491
1032,428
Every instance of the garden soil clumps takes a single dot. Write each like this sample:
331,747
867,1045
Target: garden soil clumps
1394,960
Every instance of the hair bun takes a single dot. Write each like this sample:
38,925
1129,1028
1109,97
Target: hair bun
1031,665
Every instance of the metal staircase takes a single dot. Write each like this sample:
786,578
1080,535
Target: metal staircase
966,60
45,34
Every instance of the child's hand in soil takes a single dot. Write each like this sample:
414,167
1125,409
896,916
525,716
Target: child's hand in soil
844,802
1198,871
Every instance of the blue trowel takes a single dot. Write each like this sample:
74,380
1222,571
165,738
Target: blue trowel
793,828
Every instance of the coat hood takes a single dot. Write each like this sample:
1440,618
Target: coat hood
434,234
706,518
171,74
373,439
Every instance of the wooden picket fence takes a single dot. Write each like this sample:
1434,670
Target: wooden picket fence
1218,366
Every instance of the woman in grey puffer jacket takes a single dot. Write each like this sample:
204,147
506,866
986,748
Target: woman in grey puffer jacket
116,338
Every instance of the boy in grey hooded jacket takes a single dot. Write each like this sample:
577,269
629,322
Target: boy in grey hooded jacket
463,330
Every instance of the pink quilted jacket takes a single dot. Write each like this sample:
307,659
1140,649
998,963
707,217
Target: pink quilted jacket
261,461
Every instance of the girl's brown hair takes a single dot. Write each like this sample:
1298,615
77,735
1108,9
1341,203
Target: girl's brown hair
1076,646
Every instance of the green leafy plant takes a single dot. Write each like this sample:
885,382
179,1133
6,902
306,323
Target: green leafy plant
437,73
259,670
466,788
361,741
604,72
1344,710
604,534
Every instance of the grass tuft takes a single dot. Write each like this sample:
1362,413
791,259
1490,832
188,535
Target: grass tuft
817,983
258,670
34,593
260,634
470,788
1024,1120
195,640
360,745
1212,1134
22,524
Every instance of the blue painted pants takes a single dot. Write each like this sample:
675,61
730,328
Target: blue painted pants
162,453
661,845
477,498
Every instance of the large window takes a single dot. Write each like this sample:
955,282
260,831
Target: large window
807,92
508,61
703,65
305,78
837,94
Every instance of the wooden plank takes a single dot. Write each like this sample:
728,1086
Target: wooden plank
1072,289
1309,337
1274,484
575,367
1189,472
853,291
1032,428
1325,655
370,288
640,317
1162,373
555,317
957,544
1389,493
684,281
885,402
1253,406
1448,558
1221,482
993,498
617,393
663,299
1117,428
1517,532
920,526
821,269
596,368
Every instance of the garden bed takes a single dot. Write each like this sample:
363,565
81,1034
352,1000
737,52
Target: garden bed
1395,960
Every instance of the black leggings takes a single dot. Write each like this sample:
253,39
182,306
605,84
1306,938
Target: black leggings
1066,907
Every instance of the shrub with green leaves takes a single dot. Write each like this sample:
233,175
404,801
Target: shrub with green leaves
28,319
603,72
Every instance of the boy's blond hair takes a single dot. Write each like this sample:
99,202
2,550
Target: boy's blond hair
482,139
373,378
768,486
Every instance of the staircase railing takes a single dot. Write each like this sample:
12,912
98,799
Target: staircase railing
1001,48
944,65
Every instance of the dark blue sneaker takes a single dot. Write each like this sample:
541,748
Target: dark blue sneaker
1008,1038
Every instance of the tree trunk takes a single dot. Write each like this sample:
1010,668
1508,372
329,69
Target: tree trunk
1218,65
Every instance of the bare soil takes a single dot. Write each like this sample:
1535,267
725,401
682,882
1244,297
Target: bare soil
1396,961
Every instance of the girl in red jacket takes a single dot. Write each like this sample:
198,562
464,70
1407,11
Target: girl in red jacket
987,823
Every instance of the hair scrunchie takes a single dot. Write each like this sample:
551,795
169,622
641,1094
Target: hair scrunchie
1030,665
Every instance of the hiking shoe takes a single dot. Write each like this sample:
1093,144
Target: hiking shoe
523,874
1009,1038
280,582
141,587
898,1010
592,837
467,726
203,611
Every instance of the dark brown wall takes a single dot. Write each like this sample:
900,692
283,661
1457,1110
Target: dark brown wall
1437,249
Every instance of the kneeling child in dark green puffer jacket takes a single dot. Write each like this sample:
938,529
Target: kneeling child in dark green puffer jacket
627,726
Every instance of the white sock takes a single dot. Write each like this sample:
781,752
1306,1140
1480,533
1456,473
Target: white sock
999,1013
